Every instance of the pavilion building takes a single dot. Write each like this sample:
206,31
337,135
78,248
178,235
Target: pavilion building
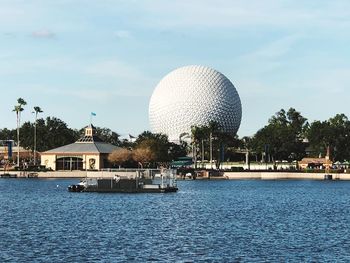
88,153
315,163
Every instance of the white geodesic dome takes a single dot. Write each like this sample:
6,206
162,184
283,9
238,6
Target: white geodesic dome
194,96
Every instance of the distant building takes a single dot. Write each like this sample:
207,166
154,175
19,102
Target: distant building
194,96
317,163
87,153
8,151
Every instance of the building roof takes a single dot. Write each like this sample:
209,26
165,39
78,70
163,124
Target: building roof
93,138
314,161
86,147
89,143
181,163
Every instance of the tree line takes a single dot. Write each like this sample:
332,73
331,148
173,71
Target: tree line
287,136
48,133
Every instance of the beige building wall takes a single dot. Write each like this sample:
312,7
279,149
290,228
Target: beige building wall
49,161
92,161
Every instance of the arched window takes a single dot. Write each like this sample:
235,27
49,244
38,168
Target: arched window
69,163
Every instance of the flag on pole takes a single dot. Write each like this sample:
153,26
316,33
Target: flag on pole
92,114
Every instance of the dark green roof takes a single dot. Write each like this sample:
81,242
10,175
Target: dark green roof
181,163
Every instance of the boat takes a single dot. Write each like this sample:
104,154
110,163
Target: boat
328,177
32,175
80,187
140,182
8,175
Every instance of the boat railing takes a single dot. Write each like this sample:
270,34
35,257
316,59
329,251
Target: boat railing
89,181
127,170
165,178
162,177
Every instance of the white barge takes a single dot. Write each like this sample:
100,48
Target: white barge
140,182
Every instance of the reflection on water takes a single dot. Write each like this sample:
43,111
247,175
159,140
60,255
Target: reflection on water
206,221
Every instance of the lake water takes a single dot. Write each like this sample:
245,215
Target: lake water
206,221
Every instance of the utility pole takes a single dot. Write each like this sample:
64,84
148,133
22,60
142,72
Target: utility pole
202,153
211,150
247,161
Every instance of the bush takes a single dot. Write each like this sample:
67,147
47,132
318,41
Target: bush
237,169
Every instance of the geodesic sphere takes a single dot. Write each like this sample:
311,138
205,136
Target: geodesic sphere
194,96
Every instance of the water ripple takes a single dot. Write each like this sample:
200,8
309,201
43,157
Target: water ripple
206,221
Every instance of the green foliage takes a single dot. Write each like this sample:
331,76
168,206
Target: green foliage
51,133
334,133
21,101
6,134
163,151
153,149
120,156
282,137
37,109
210,141
156,142
18,108
125,143
108,135
198,133
175,151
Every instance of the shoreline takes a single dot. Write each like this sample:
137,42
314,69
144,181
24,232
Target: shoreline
284,176
226,175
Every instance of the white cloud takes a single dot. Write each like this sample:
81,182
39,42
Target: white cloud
328,82
240,13
10,13
112,68
86,94
44,33
122,34
250,88
115,77
128,80
275,49
18,65
332,16
269,57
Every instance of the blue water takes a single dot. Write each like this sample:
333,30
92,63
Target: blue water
206,221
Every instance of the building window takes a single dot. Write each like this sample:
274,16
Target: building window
69,163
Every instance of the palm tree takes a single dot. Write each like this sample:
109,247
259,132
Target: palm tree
18,109
213,128
183,136
184,140
37,110
197,134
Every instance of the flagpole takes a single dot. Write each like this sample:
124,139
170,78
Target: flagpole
92,114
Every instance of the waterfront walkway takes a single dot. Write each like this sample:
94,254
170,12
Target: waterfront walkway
226,175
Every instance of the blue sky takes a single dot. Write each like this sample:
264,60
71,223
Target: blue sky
71,57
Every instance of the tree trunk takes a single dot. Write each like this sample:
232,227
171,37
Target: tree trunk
18,117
